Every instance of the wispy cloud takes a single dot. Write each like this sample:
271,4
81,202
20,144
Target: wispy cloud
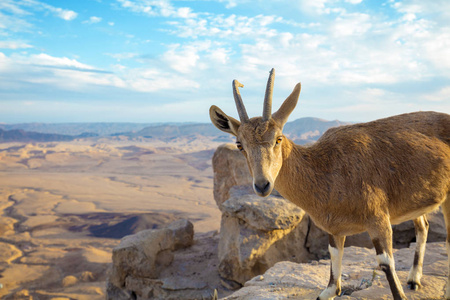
12,14
92,20
153,8
14,45
219,26
64,14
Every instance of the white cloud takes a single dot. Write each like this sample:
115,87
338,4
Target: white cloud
322,7
14,45
351,24
196,56
12,7
181,59
14,20
123,56
154,8
229,3
152,80
92,20
71,75
231,27
12,23
439,96
64,14
62,62
313,6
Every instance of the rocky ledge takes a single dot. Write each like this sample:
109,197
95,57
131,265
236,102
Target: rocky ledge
361,278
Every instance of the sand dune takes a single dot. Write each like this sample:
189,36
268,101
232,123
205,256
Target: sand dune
62,203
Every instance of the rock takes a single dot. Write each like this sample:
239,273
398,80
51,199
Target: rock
87,276
363,280
404,233
258,232
145,254
69,281
267,214
230,169
191,275
8,253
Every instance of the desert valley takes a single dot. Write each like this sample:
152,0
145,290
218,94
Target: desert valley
60,202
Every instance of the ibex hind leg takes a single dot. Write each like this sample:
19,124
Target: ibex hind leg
415,274
446,212
381,234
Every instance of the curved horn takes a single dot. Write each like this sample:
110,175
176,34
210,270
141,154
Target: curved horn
239,104
267,110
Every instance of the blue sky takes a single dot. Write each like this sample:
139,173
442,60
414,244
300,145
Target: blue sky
166,60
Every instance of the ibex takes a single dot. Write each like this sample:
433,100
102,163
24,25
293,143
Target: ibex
355,178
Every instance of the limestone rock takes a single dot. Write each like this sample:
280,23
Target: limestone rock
69,281
270,213
146,253
230,169
361,277
191,275
87,276
258,232
404,233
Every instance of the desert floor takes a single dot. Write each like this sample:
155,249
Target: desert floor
60,201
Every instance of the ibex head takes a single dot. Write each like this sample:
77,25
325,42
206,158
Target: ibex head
260,139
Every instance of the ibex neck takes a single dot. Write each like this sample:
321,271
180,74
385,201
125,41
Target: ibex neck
296,176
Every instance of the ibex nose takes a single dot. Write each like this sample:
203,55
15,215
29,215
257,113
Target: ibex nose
262,188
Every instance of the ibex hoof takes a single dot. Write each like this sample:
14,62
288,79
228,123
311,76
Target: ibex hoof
413,285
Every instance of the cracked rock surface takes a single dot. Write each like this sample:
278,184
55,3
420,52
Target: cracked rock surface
361,278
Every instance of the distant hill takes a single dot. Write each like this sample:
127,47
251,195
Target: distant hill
302,131
308,130
102,129
19,135
167,132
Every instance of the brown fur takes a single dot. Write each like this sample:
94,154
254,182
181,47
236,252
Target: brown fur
399,166
355,178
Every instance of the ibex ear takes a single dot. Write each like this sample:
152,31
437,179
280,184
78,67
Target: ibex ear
282,115
222,121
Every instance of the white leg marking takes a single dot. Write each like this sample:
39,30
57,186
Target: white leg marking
415,273
336,269
385,259
328,293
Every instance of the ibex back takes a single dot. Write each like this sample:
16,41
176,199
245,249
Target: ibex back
355,178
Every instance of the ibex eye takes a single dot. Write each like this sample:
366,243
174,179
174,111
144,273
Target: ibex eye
279,140
239,146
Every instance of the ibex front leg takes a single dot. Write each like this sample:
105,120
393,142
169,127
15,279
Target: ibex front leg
336,248
421,227
381,235
446,212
